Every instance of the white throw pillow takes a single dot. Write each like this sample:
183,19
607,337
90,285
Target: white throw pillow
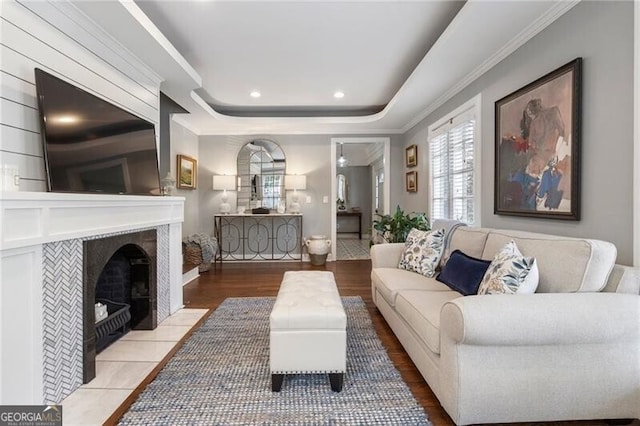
510,273
530,283
422,251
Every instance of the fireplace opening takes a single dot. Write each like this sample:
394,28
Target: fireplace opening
122,296
120,275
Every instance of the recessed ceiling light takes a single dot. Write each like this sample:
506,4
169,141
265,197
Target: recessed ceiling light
338,95
255,94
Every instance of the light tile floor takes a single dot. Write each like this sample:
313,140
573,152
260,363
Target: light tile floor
123,366
352,248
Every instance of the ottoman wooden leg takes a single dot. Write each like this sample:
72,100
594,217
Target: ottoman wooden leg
276,382
336,380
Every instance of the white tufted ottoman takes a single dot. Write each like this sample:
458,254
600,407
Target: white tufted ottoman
308,328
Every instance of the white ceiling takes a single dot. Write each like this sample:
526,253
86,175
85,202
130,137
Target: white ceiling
297,54
395,61
360,154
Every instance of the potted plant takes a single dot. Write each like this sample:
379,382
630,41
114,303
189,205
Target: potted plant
395,228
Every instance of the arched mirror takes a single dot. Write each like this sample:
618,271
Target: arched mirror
261,169
342,191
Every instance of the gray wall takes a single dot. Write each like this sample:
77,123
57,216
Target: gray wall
183,141
305,154
168,107
602,34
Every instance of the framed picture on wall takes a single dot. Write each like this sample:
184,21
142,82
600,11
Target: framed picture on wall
537,152
411,156
187,172
412,181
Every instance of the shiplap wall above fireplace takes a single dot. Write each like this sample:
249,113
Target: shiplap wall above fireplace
56,37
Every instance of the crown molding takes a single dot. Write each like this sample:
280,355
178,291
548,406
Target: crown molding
179,118
552,14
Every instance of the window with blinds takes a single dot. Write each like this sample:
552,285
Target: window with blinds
452,157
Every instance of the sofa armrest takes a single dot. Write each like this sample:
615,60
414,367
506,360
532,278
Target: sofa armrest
541,319
386,255
623,279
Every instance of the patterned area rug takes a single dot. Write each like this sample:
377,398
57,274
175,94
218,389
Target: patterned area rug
221,376
349,249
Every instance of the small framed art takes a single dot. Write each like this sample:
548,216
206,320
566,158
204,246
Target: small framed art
187,172
412,182
411,156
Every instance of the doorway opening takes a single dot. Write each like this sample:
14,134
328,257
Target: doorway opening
360,189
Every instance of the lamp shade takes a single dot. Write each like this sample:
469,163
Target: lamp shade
224,182
295,182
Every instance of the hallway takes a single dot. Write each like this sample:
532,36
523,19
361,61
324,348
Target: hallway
351,248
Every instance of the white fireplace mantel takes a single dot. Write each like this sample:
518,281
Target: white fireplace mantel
32,220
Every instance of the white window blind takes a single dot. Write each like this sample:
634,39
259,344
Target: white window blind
272,190
452,160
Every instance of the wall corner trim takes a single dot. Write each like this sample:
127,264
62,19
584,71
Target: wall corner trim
636,136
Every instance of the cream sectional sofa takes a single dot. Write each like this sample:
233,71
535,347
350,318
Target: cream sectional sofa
569,352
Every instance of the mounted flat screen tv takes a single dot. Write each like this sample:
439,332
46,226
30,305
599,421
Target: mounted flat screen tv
91,145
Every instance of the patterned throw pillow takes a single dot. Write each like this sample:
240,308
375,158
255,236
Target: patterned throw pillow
422,251
510,273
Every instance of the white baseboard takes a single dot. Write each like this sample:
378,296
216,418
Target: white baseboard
190,275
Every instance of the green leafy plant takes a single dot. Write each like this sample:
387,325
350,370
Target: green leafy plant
395,228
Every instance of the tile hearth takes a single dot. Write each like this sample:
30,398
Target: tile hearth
123,366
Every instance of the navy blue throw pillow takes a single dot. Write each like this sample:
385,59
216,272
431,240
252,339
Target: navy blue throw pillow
463,273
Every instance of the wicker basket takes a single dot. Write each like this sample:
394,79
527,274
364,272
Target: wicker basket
193,255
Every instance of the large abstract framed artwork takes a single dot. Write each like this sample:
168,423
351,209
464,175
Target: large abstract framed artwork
538,147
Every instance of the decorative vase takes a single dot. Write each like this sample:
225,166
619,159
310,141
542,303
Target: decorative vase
318,247
168,184
318,244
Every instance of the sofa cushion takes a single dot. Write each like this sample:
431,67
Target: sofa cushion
422,251
388,281
463,273
468,240
421,311
510,272
565,264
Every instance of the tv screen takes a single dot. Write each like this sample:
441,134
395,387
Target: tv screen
91,145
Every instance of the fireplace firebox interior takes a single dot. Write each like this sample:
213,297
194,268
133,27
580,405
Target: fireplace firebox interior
120,273
123,289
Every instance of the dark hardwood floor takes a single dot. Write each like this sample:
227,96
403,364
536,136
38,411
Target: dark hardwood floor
352,277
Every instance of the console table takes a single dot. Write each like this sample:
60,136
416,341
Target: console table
258,236
352,214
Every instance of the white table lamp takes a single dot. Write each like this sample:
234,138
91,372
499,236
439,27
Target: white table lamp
224,183
295,182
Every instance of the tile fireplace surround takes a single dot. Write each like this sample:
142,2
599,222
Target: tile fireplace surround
41,289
